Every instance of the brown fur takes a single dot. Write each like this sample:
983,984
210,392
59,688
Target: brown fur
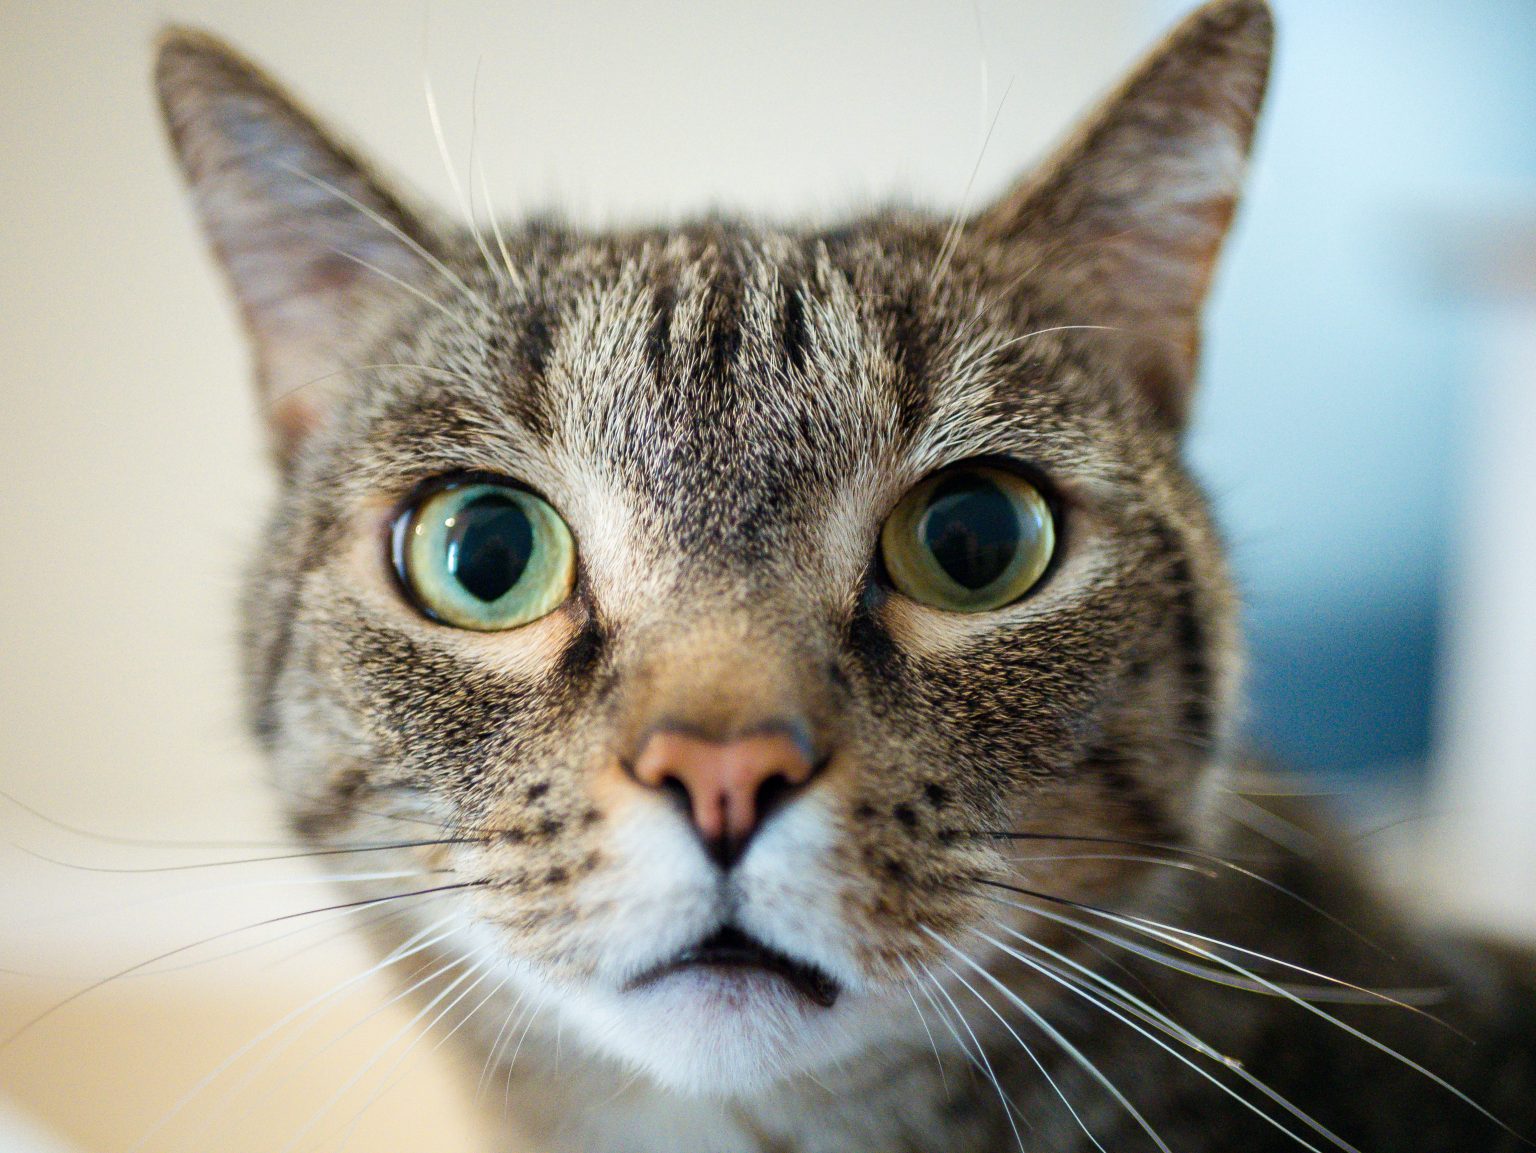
725,414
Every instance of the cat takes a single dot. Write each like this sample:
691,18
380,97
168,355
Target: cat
796,667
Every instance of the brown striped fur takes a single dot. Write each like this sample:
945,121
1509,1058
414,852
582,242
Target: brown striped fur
725,413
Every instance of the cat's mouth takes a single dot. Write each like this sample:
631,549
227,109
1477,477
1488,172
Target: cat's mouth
730,948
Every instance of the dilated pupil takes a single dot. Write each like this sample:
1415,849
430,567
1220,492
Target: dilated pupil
489,546
972,529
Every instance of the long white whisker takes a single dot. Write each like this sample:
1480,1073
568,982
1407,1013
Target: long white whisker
319,1116
533,1015
939,1061
1066,1046
501,241
134,842
26,1026
390,1081
986,1064
1408,999
922,987
1273,827
951,240
399,234
266,943
424,369
408,948
407,286
496,1045
1132,1004
1028,1052
1133,858
466,204
1155,931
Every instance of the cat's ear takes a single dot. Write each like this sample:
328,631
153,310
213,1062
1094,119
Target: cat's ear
1126,219
316,246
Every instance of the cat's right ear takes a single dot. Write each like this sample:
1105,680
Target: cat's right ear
317,247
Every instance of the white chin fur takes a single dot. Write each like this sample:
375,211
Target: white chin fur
728,1033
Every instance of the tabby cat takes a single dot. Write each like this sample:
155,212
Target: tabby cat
797,666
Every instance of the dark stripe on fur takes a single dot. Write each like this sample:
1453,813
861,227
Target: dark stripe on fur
792,333
658,343
1189,636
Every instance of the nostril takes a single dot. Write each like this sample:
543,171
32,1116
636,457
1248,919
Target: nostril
771,795
675,788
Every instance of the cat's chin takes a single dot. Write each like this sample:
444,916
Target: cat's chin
715,1031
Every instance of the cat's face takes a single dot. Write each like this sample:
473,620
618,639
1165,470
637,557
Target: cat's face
735,728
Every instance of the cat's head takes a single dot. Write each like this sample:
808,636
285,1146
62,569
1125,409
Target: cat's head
720,600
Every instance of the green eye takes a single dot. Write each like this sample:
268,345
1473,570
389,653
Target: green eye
484,556
969,539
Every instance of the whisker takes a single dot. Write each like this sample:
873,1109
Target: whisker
1159,932
484,971
398,282
426,370
1198,854
443,1040
986,1063
265,943
1028,1052
411,947
399,234
1149,927
1186,866
1066,1046
952,235
294,856
501,241
135,842
319,1116
938,1060
974,1062
491,1053
465,206
1172,1028
395,998
1273,827
506,1101
384,917
369,902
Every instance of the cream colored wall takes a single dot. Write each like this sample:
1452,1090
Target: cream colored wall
131,473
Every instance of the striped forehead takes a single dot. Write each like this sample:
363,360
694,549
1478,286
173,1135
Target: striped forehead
727,385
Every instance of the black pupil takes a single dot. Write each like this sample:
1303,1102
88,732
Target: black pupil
972,529
489,546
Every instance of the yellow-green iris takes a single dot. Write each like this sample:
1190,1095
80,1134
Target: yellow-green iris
485,556
969,539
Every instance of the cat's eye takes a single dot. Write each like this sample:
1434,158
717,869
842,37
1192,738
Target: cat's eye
484,556
969,539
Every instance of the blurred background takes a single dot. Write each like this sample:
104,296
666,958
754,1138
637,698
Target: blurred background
1367,428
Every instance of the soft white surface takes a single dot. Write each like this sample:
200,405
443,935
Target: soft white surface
19,1134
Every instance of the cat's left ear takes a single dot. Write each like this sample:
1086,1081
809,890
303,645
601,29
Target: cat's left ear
1125,221
318,248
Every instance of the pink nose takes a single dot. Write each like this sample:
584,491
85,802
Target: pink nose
731,785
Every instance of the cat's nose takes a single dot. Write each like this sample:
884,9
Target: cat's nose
731,786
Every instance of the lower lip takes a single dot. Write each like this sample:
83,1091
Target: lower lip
741,985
